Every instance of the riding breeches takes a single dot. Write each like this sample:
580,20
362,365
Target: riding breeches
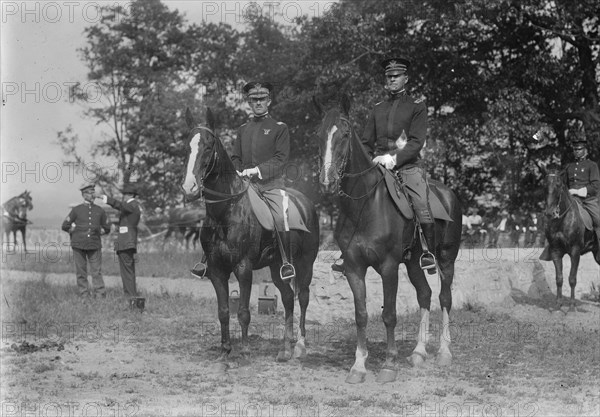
414,181
592,206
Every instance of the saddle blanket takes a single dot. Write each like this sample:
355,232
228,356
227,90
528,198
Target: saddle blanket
437,209
276,205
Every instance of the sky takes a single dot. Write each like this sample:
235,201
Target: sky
39,60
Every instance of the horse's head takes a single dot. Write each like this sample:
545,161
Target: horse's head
202,155
555,188
334,137
26,200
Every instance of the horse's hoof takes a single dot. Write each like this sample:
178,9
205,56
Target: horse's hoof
416,359
218,368
284,356
387,375
299,351
356,377
444,359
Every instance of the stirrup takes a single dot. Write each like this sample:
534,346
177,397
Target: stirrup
429,268
287,271
195,268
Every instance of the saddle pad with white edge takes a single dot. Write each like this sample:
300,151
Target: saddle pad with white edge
585,216
280,207
437,209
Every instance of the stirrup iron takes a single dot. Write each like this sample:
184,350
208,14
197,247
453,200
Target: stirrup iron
195,268
429,268
287,271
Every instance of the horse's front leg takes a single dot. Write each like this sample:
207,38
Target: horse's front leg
244,275
558,268
446,272
575,256
389,278
220,282
356,279
287,299
24,241
417,278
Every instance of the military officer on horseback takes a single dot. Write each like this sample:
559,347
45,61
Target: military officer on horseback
583,179
260,152
394,135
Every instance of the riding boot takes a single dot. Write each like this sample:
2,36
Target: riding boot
199,270
427,260
338,267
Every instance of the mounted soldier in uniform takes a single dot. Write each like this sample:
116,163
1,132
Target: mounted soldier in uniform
394,135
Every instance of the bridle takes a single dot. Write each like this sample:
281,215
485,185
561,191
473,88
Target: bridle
556,214
222,197
341,172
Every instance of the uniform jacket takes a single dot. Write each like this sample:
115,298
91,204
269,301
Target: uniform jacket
264,143
584,174
129,217
90,219
397,116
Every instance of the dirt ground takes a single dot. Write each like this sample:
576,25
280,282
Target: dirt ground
118,372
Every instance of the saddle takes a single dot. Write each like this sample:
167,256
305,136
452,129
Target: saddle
281,207
401,201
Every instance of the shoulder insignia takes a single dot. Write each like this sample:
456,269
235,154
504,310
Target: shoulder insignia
281,123
419,100
377,104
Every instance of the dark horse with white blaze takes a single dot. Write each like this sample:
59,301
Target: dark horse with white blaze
234,240
566,233
371,231
14,217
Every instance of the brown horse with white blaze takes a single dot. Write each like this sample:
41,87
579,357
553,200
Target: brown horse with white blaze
371,231
234,240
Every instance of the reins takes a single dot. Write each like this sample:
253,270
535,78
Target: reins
556,210
342,174
223,197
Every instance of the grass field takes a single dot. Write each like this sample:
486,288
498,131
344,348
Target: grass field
157,363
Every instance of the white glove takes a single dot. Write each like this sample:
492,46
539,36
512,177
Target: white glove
250,172
238,172
388,161
582,192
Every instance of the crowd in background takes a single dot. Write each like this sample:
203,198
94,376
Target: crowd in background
495,227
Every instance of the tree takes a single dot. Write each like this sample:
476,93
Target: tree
148,67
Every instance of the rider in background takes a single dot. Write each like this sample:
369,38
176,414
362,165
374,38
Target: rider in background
583,180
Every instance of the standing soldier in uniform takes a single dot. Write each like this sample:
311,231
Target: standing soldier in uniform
395,134
583,179
126,244
85,224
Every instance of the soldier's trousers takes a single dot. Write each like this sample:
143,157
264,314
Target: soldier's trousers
127,267
81,258
416,186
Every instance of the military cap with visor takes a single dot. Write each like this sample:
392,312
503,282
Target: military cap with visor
130,188
86,186
256,89
395,66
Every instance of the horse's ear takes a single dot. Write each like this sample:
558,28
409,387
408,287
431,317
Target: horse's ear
345,104
210,119
317,105
189,119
